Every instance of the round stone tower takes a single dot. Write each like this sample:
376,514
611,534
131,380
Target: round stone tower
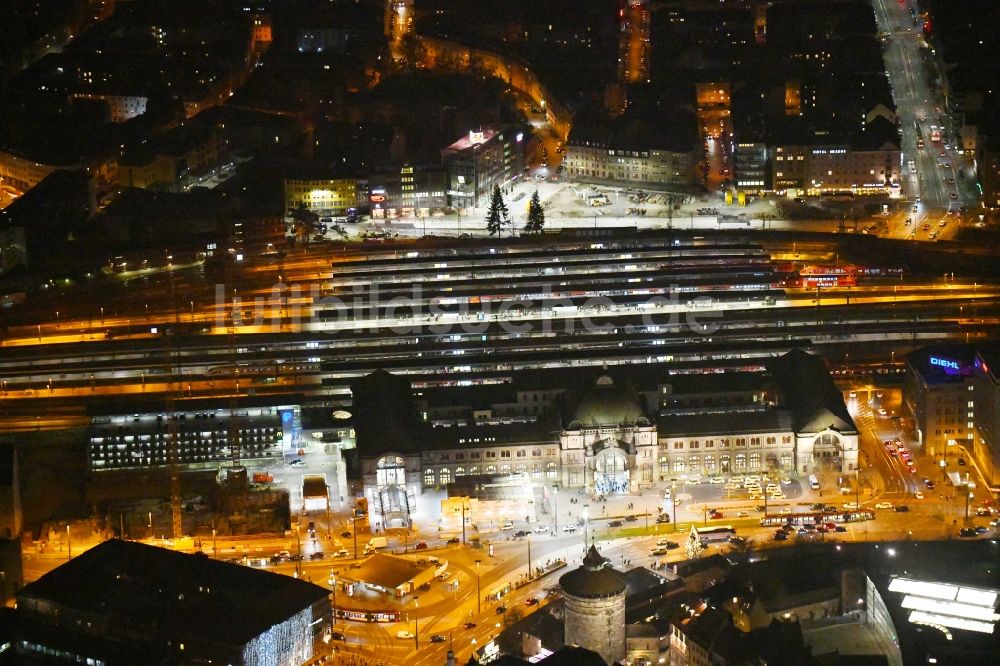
595,607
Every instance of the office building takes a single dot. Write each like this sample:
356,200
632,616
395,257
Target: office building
939,395
407,191
986,401
479,162
204,437
323,194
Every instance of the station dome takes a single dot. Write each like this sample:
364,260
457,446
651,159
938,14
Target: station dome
607,404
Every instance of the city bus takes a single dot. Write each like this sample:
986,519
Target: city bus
707,535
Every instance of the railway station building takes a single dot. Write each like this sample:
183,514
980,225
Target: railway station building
637,427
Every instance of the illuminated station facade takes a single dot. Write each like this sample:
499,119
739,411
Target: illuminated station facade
607,434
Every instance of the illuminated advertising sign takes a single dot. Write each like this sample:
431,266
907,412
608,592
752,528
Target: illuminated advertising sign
946,364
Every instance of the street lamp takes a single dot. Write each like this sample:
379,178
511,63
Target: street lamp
555,500
298,550
333,578
479,592
528,538
857,488
673,501
416,627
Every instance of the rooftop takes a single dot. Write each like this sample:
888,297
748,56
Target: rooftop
936,364
386,571
595,578
173,593
473,139
806,388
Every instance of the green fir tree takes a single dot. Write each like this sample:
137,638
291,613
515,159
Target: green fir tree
497,216
536,215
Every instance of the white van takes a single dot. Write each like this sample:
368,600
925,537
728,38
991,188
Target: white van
813,482
375,544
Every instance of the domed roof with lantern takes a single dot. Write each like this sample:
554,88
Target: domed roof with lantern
608,403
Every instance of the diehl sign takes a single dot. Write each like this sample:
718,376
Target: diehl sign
946,364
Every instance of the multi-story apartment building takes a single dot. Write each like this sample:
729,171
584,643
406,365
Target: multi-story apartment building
121,106
165,162
587,161
624,151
